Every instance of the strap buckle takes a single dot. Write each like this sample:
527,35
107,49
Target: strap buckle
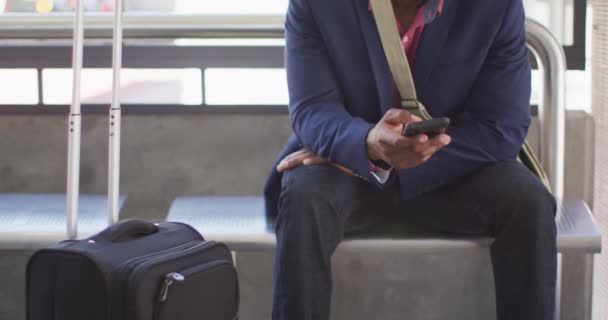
410,104
416,107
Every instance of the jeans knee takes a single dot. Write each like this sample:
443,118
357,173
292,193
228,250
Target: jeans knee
541,201
536,209
307,184
525,202
307,195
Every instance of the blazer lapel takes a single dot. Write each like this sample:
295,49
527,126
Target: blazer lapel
433,38
380,68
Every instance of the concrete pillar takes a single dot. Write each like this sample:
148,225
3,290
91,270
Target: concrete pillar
599,67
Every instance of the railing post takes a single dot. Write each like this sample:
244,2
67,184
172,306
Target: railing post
552,63
74,126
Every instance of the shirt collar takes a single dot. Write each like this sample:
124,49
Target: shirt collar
432,9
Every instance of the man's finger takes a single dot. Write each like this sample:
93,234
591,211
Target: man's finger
422,147
283,166
294,161
408,142
441,140
427,152
343,169
444,139
402,142
433,145
315,161
397,116
288,165
296,154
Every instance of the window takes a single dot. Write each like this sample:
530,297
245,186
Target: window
567,21
177,6
578,89
565,18
278,7
19,86
245,87
557,15
138,86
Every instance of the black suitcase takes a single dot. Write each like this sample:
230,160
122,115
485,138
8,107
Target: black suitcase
133,270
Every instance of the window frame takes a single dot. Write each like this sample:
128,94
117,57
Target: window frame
148,57
576,52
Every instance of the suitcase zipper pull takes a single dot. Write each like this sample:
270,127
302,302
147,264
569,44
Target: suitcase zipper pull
169,280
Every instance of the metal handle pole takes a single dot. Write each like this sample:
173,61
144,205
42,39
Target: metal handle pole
74,126
552,63
115,120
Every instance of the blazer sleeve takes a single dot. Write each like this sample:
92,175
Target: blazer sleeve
496,115
318,116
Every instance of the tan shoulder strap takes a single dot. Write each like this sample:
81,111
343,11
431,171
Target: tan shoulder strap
395,55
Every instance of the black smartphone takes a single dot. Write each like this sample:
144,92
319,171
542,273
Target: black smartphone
431,127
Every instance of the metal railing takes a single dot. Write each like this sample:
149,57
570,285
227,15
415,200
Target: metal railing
142,25
545,47
552,63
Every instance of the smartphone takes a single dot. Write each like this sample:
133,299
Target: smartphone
431,127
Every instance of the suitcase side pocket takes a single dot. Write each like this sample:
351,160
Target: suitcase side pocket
207,291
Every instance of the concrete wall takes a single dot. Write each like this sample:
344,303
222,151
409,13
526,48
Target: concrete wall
164,156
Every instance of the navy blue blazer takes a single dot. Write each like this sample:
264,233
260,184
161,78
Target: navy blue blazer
472,66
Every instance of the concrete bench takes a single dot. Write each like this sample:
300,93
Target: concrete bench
378,277
33,221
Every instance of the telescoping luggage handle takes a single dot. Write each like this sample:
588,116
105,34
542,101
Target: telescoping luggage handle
75,120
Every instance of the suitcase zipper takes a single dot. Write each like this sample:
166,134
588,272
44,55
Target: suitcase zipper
122,273
182,276
131,261
133,275
169,256
169,279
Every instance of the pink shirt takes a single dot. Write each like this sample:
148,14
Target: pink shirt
410,38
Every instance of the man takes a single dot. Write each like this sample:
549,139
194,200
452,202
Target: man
347,167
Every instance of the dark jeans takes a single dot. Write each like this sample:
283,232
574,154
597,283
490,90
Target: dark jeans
320,204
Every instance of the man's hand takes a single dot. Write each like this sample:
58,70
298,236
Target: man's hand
307,158
385,142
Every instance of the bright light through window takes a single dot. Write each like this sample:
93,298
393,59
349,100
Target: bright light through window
231,6
18,86
557,15
578,89
138,86
245,87
179,6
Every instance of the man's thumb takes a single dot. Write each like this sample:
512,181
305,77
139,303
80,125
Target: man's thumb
399,116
